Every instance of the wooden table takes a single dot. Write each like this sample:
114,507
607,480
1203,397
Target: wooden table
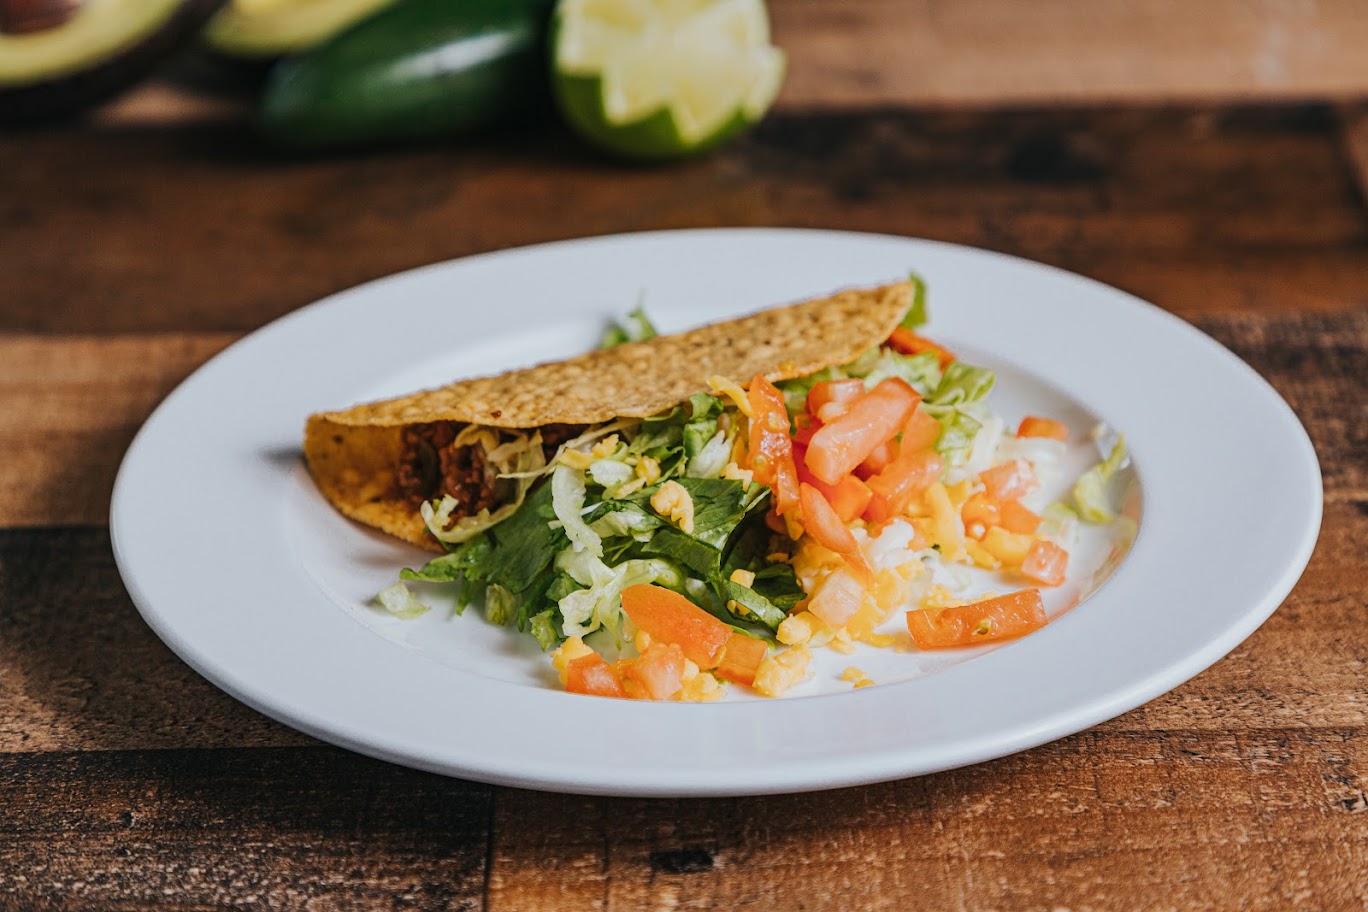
128,256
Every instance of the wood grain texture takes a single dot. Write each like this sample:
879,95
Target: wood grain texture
309,829
879,53
1102,820
127,782
964,52
79,670
1198,209
69,408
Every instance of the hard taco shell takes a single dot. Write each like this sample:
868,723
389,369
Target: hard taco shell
353,454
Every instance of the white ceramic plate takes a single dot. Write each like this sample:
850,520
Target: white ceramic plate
235,561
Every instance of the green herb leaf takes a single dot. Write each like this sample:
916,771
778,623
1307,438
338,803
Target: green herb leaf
635,327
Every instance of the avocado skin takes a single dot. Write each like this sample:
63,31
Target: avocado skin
69,95
420,69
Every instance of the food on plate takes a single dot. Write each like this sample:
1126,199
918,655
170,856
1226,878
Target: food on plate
672,515
379,462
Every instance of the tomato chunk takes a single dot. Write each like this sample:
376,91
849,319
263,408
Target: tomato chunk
1009,480
657,674
982,512
1013,517
899,482
668,617
874,463
1012,615
1035,426
741,658
909,343
804,426
821,521
1046,563
848,497
590,674
771,448
839,393
921,431
874,418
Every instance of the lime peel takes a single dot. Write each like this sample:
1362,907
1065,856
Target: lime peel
657,79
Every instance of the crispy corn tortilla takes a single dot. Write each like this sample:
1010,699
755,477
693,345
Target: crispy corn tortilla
353,454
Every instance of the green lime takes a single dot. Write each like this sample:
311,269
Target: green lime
658,79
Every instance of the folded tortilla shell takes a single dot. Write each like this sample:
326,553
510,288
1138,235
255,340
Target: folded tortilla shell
353,454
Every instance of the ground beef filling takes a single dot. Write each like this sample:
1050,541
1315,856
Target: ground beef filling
431,465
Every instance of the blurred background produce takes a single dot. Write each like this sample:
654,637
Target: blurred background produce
639,79
60,57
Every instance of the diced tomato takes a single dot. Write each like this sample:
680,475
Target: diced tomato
921,431
1013,517
848,497
1009,480
590,674
741,658
1035,426
668,617
909,343
899,482
826,528
837,599
771,448
804,426
982,511
833,392
1046,563
874,463
1012,615
657,674
874,418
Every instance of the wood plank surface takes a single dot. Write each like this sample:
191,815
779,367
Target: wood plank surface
966,52
129,257
847,54
1204,209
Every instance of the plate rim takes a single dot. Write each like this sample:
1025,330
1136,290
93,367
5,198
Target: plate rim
797,775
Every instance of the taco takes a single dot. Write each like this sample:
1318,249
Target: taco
438,467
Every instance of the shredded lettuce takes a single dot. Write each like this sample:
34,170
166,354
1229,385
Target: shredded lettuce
500,605
922,371
1090,493
1059,523
599,604
746,603
609,472
917,315
958,403
712,458
543,627
399,601
568,491
635,327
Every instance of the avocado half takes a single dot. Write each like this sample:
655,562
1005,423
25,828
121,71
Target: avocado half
266,29
59,57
